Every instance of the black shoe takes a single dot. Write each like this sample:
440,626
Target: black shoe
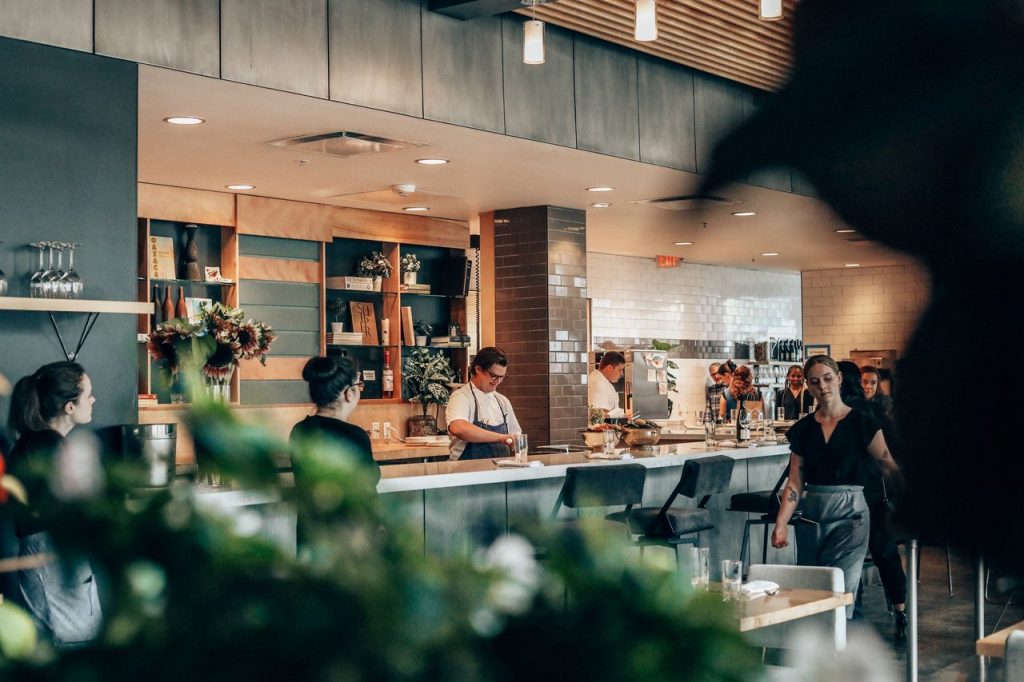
900,632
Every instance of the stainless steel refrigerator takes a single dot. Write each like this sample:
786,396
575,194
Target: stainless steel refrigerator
644,384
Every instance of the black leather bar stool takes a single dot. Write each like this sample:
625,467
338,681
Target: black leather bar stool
762,502
602,486
669,527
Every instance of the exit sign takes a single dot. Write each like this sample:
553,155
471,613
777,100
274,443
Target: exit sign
667,261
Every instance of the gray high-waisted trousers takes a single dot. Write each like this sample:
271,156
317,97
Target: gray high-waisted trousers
61,596
839,536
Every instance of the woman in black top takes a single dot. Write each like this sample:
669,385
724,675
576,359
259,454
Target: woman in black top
835,450
334,386
793,398
45,407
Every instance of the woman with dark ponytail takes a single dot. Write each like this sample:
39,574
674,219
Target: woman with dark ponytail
334,387
45,407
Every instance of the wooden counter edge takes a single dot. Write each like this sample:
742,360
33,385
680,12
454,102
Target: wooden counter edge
995,644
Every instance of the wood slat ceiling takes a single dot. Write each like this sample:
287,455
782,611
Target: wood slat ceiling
723,37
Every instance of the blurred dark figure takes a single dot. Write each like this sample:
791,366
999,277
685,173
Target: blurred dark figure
908,119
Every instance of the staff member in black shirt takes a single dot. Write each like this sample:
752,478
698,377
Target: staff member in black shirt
793,398
835,450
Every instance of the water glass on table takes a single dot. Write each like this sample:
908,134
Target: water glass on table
522,446
732,579
611,439
699,568
780,414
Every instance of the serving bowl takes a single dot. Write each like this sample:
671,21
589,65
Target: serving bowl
641,437
593,439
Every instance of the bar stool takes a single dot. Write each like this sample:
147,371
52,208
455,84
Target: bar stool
602,486
762,502
668,527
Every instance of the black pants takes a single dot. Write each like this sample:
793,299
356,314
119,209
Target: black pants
886,555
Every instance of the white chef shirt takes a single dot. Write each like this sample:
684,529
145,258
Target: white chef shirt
601,393
460,406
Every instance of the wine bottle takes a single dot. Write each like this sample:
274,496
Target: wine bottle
168,304
387,376
742,423
181,310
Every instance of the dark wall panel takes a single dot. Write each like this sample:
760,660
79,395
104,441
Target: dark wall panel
375,54
285,317
539,101
606,99
462,71
718,106
274,392
68,173
276,247
259,292
666,114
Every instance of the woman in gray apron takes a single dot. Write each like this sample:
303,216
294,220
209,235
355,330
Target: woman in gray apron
835,450
481,420
61,593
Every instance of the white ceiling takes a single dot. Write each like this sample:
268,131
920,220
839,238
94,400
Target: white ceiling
487,172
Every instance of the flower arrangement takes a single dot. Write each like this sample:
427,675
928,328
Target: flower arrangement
215,344
375,265
427,377
410,263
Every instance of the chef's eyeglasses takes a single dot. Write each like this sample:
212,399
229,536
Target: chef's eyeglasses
497,377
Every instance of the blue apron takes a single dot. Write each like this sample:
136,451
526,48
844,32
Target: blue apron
486,450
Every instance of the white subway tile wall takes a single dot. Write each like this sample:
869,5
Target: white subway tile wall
864,308
634,299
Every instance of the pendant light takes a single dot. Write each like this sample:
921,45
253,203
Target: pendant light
533,37
771,10
645,28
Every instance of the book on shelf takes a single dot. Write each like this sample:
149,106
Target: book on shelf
345,339
350,283
364,320
408,333
416,288
148,400
449,341
161,258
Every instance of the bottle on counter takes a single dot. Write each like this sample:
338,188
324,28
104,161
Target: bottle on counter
742,423
387,376
181,310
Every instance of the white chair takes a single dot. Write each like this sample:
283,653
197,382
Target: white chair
1015,657
809,577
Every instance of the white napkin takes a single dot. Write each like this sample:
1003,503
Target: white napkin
513,463
603,455
734,444
758,588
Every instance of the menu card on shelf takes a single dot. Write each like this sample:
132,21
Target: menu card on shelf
408,333
161,258
364,321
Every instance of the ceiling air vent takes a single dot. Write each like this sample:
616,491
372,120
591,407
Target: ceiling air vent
687,202
343,143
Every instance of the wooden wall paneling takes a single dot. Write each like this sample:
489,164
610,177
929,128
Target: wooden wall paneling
64,23
186,205
297,294
718,107
486,293
358,223
178,34
462,68
285,316
375,55
275,45
279,269
277,368
282,218
278,247
666,114
606,98
301,343
539,99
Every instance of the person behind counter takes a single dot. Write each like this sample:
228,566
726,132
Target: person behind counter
741,387
794,399
600,391
870,381
713,391
480,420
335,388
45,407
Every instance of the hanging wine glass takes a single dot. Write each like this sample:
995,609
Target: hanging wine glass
72,279
61,289
49,276
35,282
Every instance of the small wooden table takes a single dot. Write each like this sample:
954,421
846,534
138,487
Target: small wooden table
788,604
995,644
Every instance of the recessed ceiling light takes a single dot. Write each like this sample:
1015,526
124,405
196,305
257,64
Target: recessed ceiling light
414,209
600,189
770,253
432,162
744,214
601,204
241,187
684,243
184,120
845,230
853,265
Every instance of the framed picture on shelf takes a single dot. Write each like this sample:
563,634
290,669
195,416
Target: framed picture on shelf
194,305
812,349
213,275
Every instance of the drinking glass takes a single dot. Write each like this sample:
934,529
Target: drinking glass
61,287
72,280
611,439
709,429
49,277
35,283
732,414
732,578
522,447
780,414
699,567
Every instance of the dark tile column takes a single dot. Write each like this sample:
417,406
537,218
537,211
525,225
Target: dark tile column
541,317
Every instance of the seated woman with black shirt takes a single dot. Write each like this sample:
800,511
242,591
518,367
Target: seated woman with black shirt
834,452
334,386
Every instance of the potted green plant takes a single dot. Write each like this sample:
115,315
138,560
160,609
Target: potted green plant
337,308
410,266
423,331
377,266
427,377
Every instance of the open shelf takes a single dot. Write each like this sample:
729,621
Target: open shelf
360,292
357,345
63,305
193,282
